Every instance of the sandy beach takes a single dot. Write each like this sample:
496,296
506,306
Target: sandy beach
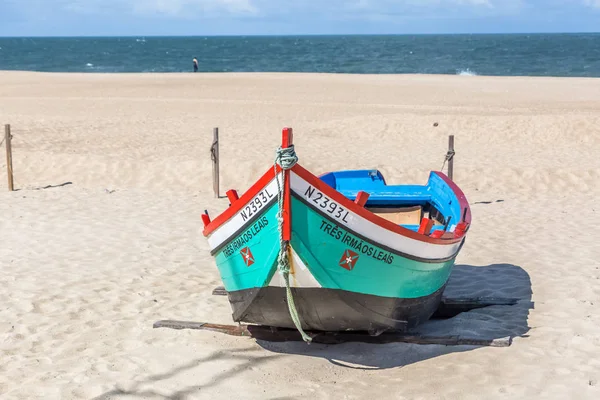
103,236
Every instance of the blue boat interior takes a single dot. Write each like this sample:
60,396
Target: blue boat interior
404,205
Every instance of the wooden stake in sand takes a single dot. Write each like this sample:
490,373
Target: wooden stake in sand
450,157
7,138
214,155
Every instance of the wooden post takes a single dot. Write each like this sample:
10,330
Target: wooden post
451,155
7,138
214,155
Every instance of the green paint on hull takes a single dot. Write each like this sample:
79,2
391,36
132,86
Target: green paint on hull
262,238
321,244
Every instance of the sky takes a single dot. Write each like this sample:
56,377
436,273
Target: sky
290,17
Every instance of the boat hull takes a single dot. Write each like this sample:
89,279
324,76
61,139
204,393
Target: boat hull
322,309
349,268
341,278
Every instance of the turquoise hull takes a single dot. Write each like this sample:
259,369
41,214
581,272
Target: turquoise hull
323,246
261,237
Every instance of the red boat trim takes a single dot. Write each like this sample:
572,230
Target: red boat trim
232,195
287,140
205,219
425,227
364,213
361,198
241,202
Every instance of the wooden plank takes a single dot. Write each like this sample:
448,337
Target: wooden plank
399,215
480,301
9,166
290,335
233,330
451,307
219,291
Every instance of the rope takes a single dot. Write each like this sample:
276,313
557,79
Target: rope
286,158
4,138
448,157
213,151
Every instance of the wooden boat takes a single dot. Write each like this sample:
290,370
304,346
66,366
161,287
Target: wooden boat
363,255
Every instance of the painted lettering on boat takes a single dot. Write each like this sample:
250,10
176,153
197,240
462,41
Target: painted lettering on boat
326,204
256,204
357,244
245,237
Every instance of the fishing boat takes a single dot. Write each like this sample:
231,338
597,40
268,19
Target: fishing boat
337,252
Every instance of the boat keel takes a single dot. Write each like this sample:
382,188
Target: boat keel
332,310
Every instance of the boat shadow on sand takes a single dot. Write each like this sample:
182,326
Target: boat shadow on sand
466,281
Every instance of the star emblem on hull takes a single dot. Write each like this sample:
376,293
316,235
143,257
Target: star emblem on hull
348,260
247,256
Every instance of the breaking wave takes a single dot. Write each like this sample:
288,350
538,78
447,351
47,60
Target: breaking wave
466,72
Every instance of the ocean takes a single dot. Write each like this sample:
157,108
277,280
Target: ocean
497,55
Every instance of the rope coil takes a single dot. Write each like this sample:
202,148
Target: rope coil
286,159
213,151
449,155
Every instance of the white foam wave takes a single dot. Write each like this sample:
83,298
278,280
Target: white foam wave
89,65
466,72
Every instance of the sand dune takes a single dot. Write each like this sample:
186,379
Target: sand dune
115,243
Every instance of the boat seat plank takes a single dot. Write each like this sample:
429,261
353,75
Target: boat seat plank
399,215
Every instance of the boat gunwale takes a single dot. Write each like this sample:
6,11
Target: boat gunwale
380,221
243,228
447,238
303,173
374,241
240,203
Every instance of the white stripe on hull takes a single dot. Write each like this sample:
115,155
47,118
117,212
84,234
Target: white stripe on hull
301,276
225,231
369,229
348,219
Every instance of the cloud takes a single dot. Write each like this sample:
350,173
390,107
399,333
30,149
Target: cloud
396,10
387,4
159,7
179,7
592,3
208,8
475,2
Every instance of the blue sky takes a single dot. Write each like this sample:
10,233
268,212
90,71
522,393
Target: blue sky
266,17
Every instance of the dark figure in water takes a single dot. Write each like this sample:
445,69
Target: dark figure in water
195,65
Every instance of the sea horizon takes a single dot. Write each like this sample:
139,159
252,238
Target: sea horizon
304,34
491,54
